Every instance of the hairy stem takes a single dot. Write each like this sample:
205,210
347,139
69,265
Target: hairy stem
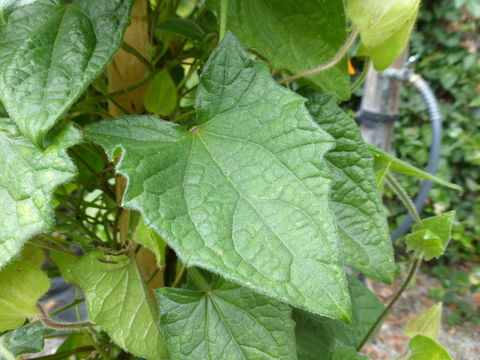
59,326
403,196
342,52
386,311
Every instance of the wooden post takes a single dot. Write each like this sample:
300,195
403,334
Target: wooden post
379,107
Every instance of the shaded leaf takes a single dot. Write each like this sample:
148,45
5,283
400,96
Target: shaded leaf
317,336
120,303
28,339
50,52
424,348
29,177
225,321
399,166
427,323
151,240
183,27
161,95
433,237
346,353
65,263
313,338
245,194
21,286
297,35
354,199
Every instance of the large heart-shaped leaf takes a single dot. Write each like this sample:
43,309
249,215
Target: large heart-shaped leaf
225,321
29,177
297,35
50,52
121,304
355,199
245,193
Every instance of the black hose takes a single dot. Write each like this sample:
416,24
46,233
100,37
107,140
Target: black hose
436,123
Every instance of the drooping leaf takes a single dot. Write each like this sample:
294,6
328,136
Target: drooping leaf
427,323
50,52
120,303
161,95
386,53
183,27
317,336
354,199
314,339
245,194
225,321
402,167
151,240
29,177
21,286
346,353
433,237
424,348
385,27
297,35
28,339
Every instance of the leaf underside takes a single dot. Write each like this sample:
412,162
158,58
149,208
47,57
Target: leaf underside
245,194
226,322
120,303
354,199
50,52
29,177
297,35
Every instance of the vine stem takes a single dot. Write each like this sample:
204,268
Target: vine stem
342,52
403,196
223,18
386,311
59,326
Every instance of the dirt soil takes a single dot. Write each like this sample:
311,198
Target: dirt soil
462,341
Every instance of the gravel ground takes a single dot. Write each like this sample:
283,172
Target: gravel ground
462,341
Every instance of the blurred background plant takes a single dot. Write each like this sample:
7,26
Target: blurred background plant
447,43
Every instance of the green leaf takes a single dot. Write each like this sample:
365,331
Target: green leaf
346,353
386,53
50,52
297,35
151,240
314,332
161,95
433,237
120,303
29,177
21,285
245,194
183,27
28,339
385,27
399,166
313,338
424,348
65,263
225,321
354,199
427,323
